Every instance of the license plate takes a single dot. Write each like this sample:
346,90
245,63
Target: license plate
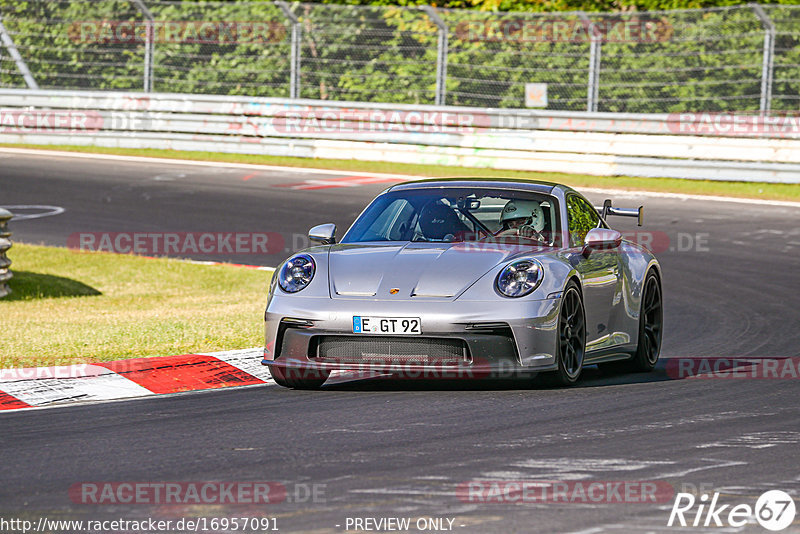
386,325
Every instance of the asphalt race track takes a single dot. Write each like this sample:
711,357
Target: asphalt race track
391,448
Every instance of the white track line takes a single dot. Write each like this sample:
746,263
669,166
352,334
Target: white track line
206,262
217,164
309,170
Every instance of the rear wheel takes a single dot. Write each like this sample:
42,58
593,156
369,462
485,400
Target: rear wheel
651,320
298,378
571,345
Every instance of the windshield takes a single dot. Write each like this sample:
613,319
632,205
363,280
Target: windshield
458,215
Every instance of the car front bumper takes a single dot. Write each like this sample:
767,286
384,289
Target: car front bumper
498,336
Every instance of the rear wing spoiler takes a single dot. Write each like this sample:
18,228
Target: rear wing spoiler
608,209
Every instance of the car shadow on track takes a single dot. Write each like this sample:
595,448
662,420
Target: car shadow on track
591,377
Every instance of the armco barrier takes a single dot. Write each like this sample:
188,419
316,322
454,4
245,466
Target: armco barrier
5,244
698,146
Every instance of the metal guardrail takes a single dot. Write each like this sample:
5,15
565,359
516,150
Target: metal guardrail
5,244
681,145
225,108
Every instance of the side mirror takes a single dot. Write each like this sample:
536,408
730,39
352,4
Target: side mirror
601,239
324,234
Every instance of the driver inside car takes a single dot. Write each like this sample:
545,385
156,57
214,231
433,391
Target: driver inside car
522,218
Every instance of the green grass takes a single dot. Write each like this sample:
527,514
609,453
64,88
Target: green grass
669,185
77,307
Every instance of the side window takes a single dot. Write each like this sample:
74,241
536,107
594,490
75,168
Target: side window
581,217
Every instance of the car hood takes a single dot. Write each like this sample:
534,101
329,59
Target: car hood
443,270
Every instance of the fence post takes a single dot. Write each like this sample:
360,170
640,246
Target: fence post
593,86
441,55
148,45
768,58
5,37
5,244
296,43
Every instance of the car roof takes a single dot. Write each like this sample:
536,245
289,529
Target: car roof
489,183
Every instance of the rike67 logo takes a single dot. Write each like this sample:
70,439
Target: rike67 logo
774,510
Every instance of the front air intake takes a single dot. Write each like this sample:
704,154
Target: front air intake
389,350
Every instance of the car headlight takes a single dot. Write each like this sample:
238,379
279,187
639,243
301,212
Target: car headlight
273,284
520,278
296,273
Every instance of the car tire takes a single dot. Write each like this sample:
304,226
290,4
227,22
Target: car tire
571,341
651,321
298,378
651,325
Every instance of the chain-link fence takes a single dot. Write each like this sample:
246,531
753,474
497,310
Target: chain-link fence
743,58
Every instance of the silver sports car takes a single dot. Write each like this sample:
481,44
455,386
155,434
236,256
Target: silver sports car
466,278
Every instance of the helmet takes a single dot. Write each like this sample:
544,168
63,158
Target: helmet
524,209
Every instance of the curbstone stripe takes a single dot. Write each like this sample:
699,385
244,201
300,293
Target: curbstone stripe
138,377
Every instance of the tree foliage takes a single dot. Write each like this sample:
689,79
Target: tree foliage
547,6
683,60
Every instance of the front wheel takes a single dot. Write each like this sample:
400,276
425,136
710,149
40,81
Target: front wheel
571,345
298,378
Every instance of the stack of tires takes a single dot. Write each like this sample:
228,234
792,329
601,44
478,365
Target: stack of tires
5,244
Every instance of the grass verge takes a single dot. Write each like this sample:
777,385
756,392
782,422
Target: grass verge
76,307
668,185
